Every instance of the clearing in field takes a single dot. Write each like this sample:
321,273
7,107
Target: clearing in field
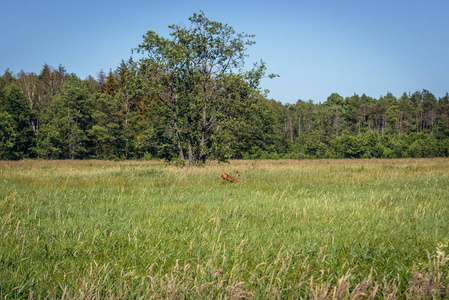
287,229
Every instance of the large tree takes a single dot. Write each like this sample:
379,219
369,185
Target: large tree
64,133
197,77
17,138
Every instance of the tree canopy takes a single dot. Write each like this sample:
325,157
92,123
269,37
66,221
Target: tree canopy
196,77
189,98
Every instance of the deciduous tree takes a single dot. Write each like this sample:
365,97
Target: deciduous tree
196,75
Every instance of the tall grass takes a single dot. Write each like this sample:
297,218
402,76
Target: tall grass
323,229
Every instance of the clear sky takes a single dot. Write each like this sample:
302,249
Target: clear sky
318,47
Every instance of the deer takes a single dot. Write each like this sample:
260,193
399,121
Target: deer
230,178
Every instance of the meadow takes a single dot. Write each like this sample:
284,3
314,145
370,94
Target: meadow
291,229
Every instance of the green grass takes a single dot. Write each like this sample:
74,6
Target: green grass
337,229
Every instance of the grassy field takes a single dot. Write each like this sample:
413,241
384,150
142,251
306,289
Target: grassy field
323,229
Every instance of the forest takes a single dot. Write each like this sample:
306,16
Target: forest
188,99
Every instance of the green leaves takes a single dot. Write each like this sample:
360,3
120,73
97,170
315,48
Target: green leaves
190,96
193,74
8,135
17,137
70,116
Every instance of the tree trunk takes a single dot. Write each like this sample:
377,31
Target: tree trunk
291,131
178,140
203,135
190,155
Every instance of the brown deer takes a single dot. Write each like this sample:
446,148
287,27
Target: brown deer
230,178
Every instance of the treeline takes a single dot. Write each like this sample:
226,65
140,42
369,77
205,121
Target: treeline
56,115
188,100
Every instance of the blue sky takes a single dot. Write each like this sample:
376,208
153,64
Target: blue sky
318,47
